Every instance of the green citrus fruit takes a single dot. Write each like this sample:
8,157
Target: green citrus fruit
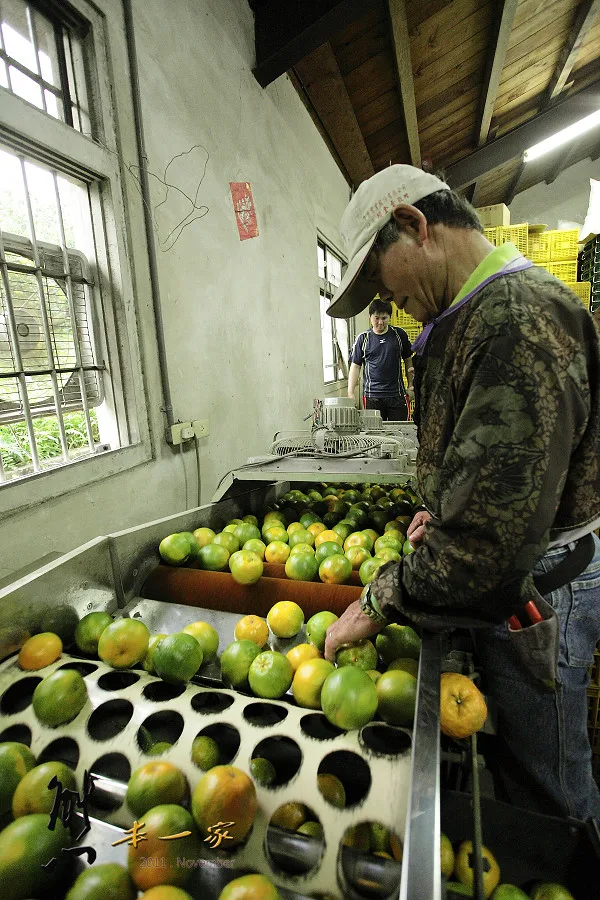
153,784
203,536
227,539
123,643
255,545
369,569
148,660
155,861
207,637
26,845
248,887
177,658
246,532
205,752
225,794
59,697
357,556
511,892
16,760
214,557
277,552
349,698
361,654
551,890
447,855
396,641
332,790
245,566
308,682
301,567
312,829
335,569
463,868
406,664
407,548
89,629
263,771
159,748
106,881
175,549
270,675
235,663
316,628
326,549
397,695
33,794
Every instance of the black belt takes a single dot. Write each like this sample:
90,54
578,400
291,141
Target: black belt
568,568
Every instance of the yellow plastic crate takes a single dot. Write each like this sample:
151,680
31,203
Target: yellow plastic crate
517,235
492,235
563,244
539,246
582,289
565,270
402,320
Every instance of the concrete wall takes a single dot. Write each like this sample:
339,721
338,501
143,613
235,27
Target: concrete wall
562,204
241,317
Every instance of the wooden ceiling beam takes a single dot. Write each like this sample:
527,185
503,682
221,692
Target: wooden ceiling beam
511,190
285,31
322,82
502,30
514,143
584,19
401,43
565,157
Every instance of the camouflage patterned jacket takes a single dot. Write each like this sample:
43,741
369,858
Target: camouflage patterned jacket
509,428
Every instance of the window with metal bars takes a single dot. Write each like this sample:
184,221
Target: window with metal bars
336,334
61,254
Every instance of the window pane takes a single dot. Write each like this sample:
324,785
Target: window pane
334,268
26,88
15,30
54,106
43,203
3,76
321,260
48,57
74,53
13,210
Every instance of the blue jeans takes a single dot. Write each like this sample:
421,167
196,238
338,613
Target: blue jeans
544,755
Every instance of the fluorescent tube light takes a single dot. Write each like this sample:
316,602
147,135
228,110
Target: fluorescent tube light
563,137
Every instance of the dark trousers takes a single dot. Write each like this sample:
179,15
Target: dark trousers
392,409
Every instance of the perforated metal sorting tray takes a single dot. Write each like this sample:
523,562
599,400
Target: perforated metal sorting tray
104,739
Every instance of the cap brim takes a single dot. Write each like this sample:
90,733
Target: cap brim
354,292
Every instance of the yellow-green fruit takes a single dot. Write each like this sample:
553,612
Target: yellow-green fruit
15,761
26,845
106,881
205,752
59,697
447,856
33,794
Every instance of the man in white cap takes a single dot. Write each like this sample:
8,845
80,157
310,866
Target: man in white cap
507,378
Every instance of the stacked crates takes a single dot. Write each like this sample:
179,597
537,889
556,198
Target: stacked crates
556,251
402,320
589,270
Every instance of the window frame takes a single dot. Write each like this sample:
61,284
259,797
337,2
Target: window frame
327,290
25,129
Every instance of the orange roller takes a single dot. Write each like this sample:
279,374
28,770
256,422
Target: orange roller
218,590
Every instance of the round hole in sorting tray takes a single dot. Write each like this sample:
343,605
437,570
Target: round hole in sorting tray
111,774
285,756
363,872
84,668
318,726
109,719
264,714
19,733
288,849
351,770
385,739
209,702
227,739
165,726
117,681
18,696
64,750
160,691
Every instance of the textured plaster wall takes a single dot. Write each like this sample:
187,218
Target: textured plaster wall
241,317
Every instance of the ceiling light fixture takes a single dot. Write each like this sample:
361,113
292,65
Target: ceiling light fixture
563,137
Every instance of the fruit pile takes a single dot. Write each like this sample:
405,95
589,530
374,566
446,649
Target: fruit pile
326,534
459,865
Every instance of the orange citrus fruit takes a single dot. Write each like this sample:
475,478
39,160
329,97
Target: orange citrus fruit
165,892
397,695
123,643
89,629
227,539
207,637
204,536
463,710
255,545
285,619
276,552
308,681
214,557
103,882
300,653
357,556
250,887
316,528
26,845
252,628
245,566
155,783
157,861
329,535
39,651
177,657
59,697
349,698
225,794
33,794
15,761
270,675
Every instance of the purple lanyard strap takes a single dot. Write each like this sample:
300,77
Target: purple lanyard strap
518,264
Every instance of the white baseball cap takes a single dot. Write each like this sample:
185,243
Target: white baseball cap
369,210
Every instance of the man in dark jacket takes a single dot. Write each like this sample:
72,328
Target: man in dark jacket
507,378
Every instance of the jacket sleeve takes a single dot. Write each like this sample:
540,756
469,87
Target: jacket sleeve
519,414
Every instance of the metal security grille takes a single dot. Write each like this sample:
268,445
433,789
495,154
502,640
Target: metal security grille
48,360
42,59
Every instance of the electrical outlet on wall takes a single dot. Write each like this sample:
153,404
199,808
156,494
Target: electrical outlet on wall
179,433
200,427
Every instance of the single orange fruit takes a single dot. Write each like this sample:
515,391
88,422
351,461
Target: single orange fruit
153,784
245,566
26,845
463,710
157,861
203,536
250,887
309,679
255,545
289,815
332,790
89,629
324,536
39,651
336,569
270,675
33,794
225,794
397,695
301,567
316,628
361,654
316,528
165,892
357,556
349,698
59,697
15,761
103,882
207,637
300,653
358,539
252,628
124,643
214,557
285,619
276,552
